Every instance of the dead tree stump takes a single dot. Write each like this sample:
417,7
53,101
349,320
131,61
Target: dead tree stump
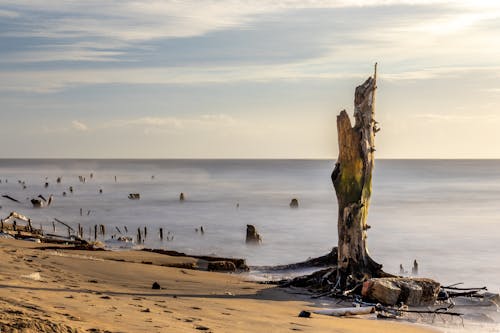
352,179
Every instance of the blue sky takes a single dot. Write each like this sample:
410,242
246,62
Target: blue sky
246,79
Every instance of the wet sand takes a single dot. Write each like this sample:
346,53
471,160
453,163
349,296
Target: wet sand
87,291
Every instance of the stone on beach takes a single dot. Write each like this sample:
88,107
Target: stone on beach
411,291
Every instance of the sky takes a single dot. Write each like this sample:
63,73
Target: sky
245,79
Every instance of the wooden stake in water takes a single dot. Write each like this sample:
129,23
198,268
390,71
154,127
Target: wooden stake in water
161,234
139,238
95,232
145,232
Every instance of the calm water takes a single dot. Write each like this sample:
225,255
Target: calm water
444,213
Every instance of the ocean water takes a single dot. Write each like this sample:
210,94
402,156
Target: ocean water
443,213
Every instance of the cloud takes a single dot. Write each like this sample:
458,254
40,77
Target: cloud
146,20
164,122
8,13
121,41
58,80
173,123
79,126
437,73
434,117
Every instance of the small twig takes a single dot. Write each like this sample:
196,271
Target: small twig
456,288
465,293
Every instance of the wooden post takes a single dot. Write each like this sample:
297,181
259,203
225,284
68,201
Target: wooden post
139,238
95,231
352,179
161,234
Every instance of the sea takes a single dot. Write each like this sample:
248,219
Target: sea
443,213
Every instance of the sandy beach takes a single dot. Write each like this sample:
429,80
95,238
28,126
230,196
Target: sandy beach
88,291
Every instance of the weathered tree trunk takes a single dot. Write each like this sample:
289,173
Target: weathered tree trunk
352,179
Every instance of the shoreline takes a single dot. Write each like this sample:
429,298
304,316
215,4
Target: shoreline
86,291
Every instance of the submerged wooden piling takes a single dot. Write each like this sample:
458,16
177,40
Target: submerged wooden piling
161,234
139,237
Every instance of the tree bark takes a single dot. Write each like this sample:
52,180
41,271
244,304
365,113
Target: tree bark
352,179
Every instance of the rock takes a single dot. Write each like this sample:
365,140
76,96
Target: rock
134,196
221,266
411,291
252,235
304,314
156,285
294,203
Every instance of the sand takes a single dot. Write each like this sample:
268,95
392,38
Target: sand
85,291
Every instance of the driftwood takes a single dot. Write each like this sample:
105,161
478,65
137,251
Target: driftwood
64,224
327,260
240,264
10,198
15,215
342,312
41,202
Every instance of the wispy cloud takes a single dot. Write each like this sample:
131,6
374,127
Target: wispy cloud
172,123
57,80
434,117
8,14
79,126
